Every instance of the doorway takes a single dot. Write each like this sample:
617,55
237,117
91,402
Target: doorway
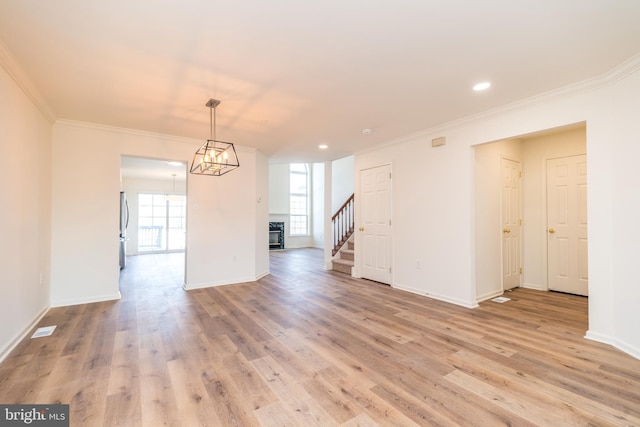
532,151
156,191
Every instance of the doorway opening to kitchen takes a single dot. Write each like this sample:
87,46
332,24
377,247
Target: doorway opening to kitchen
154,233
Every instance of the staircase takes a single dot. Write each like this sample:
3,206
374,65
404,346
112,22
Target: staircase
343,226
344,259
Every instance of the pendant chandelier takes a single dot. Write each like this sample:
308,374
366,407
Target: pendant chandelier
214,157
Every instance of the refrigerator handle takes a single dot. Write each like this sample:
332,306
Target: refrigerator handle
126,224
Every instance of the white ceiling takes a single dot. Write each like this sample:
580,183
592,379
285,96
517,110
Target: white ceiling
294,74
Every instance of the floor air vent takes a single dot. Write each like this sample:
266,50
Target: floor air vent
43,332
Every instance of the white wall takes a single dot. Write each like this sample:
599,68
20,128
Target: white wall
342,181
434,206
432,236
262,216
623,297
25,169
317,205
279,189
221,212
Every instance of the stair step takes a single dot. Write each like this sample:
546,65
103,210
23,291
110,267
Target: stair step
345,261
342,265
347,254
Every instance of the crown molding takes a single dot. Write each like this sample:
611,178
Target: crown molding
613,76
623,70
141,133
9,63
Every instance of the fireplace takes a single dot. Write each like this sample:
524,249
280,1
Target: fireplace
276,235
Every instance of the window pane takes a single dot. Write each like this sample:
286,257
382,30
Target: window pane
298,205
298,167
161,222
145,211
159,200
298,199
298,184
175,223
175,211
144,199
298,224
159,210
144,222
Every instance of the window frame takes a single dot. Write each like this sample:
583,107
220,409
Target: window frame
294,170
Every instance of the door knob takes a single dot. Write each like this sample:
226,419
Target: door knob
551,231
361,228
506,230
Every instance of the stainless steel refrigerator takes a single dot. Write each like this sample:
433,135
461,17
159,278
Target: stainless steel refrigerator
124,222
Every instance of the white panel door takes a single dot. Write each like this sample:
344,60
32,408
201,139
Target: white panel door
567,224
511,224
375,229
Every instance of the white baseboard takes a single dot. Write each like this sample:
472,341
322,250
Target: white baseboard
9,348
620,345
260,276
534,286
223,283
89,300
456,301
489,295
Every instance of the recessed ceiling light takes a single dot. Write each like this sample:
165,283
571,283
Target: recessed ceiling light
175,163
482,86
323,146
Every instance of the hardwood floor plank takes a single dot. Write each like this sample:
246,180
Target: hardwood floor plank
306,346
275,415
123,406
255,392
192,397
231,411
356,390
541,396
300,405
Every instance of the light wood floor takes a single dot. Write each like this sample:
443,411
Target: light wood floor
305,347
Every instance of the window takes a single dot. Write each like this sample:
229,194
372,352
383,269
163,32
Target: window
161,222
298,199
